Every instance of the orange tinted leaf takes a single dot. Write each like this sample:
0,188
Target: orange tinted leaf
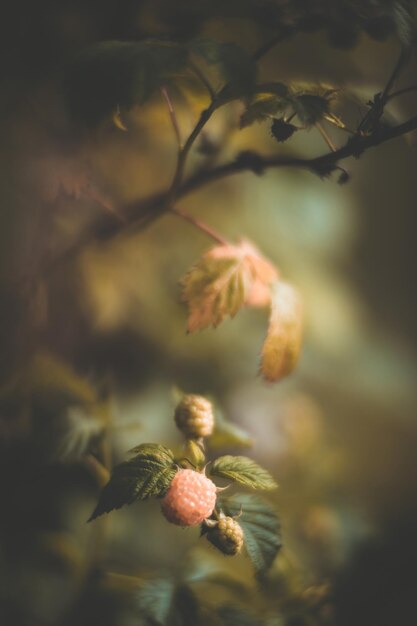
225,279
264,274
282,345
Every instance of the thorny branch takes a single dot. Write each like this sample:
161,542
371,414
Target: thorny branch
371,132
147,210
217,100
373,116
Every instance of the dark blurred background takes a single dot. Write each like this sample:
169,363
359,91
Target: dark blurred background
94,347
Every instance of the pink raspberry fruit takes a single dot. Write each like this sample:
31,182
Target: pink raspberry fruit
190,499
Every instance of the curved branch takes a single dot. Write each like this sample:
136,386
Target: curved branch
147,210
322,165
217,100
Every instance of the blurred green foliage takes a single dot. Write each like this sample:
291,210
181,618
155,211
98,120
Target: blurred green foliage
90,353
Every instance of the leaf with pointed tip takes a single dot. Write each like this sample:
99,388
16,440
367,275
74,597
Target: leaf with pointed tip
166,602
113,74
310,108
225,279
265,106
282,345
260,526
146,475
243,470
236,65
404,20
65,414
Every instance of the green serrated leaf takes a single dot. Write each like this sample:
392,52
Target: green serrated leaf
164,602
264,107
244,471
310,108
112,74
152,449
146,475
404,21
237,67
260,528
65,415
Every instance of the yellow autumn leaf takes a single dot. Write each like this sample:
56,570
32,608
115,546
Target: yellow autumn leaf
282,345
226,278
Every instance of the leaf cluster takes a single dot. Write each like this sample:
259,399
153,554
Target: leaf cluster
280,104
61,411
113,76
147,475
228,277
342,22
167,602
151,470
225,279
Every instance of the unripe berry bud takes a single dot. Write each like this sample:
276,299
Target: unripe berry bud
194,416
227,536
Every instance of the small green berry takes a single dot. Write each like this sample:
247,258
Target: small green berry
227,536
194,416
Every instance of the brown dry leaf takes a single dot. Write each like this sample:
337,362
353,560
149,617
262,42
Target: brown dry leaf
226,278
282,345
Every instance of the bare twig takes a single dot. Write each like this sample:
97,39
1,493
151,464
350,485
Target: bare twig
147,210
333,148
263,50
93,195
402,61
336,121
203,78
217,101
100,537
326,137
258,164
183,154
200,225
373,116
173,117
401,92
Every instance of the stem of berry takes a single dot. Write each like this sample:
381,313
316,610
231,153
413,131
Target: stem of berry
101,528
326,137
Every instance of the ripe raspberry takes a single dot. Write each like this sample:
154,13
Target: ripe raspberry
194,416
190,499
227,536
